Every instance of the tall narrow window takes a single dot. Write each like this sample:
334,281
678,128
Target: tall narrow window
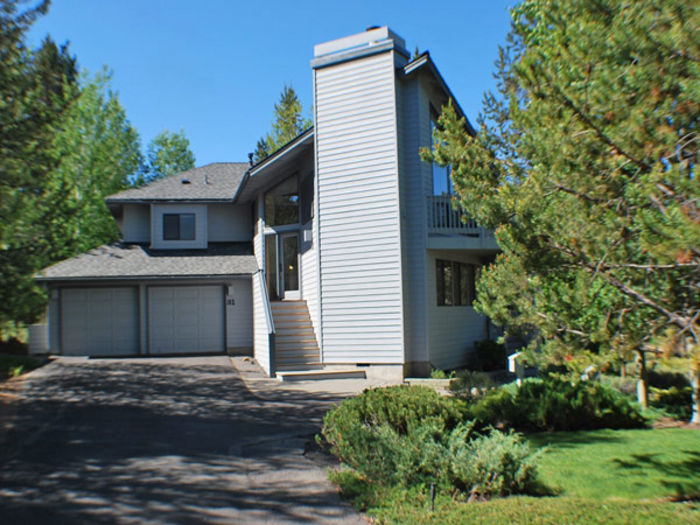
442,182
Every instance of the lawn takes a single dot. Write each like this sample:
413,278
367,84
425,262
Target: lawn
630,464
605,476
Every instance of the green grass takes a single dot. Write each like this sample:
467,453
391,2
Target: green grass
604,476
14,365
630,464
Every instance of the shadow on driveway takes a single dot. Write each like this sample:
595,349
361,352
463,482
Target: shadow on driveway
146,442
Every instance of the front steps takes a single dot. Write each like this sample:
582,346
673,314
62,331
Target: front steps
297,356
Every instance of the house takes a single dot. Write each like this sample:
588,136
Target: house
342,250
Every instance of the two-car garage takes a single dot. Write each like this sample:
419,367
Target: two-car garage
104,321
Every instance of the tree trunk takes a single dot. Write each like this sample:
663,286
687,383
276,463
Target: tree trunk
642,385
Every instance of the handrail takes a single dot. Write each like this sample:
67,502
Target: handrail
269,322
266,302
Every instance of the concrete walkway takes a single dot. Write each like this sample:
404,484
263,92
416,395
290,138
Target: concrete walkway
182,440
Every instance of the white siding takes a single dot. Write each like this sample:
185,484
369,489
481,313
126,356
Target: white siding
453,329
261,345
136,223
229,223
239,316
358,210
415,180
309,282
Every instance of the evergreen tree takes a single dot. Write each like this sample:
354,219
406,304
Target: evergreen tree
288,123
36,87
168,153
585,168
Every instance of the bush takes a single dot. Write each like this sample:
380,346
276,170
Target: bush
362,424
676,402
412,436
556,404
489,355
497,464
470,384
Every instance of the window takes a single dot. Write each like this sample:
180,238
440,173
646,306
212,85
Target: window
282,203
307,198
455,283
178,226
442,182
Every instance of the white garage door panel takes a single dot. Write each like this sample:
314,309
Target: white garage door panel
186,319
99,321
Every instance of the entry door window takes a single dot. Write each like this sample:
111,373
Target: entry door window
290,248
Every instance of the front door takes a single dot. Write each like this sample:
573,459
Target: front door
282,265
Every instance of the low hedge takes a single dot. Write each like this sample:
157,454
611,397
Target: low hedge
553,404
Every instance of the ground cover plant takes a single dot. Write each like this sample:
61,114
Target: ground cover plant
600,476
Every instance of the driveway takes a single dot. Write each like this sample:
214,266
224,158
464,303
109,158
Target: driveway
163,441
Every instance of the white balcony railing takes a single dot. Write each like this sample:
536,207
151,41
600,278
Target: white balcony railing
444,217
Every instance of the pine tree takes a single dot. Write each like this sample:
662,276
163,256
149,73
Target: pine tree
36,88
288,123
585,168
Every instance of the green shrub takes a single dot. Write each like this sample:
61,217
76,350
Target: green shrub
436,373
470,384
555,404
494,464
489,355
412,436
14,365
357,430
677,402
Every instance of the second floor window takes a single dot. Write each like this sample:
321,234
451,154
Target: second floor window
282,203
178,226
442,182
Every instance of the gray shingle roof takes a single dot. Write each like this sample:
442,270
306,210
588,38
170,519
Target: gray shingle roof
130,261
218,181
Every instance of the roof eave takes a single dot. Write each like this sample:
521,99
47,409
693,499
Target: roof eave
425,61
290,146
141,277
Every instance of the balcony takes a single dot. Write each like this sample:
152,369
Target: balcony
450,228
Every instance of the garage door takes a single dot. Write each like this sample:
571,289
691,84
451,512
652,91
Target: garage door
99,321
186,319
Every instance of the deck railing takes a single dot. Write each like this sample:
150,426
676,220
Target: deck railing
444,217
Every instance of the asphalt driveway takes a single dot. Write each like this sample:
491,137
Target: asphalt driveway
162,441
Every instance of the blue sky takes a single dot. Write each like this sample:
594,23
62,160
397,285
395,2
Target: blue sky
215,68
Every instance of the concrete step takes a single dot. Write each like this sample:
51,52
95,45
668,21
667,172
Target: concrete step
317,375
298,367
